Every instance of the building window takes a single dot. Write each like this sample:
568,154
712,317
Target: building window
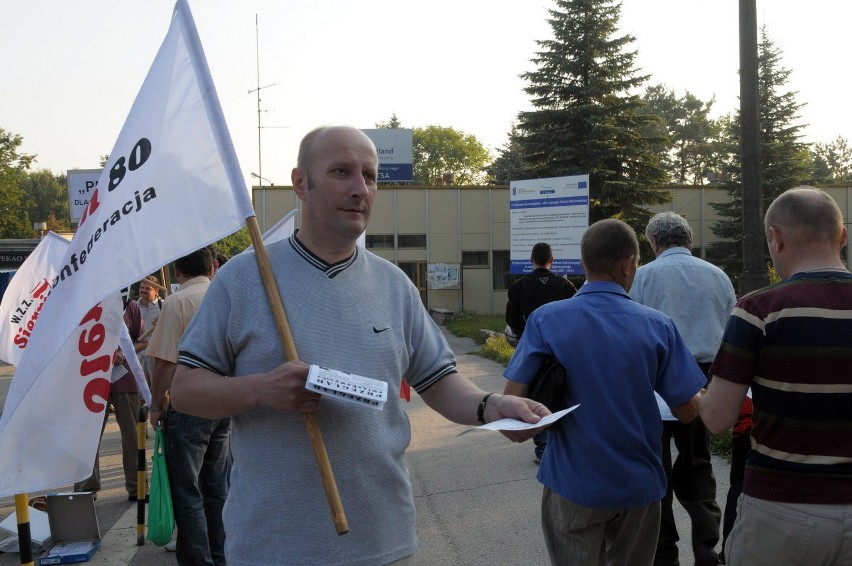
500,270
379,240
475,259
417,241
416,271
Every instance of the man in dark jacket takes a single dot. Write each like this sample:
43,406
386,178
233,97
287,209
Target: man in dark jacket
540,287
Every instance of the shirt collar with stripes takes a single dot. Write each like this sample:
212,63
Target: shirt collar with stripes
331,270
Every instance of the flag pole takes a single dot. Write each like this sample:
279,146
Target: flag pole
22,513
277,307
141,475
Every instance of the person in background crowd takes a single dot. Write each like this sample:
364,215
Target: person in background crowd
789,343
534,289
699,297
196,449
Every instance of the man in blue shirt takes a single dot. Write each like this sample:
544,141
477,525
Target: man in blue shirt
699,297
602,472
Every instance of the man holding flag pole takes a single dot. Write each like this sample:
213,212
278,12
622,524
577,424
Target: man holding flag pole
351,311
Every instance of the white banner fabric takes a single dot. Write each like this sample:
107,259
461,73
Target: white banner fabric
172,185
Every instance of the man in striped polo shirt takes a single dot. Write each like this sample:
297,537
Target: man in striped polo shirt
790,343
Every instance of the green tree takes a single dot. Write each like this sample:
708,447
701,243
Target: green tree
686,137
509,163
48,196
393,123
14,221
585,119
784,159
833,161
440,150
235,243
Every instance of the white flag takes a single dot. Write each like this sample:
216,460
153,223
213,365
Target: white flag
282,230
172,185
26,294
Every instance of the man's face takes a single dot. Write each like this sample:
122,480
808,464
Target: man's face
147,292
339,186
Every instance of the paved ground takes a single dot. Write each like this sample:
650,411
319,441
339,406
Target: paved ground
476,494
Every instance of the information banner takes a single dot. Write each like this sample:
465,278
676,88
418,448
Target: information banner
554,211
395,147
81,185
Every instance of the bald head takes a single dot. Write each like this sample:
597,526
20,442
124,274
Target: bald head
806,215
315,140
606,244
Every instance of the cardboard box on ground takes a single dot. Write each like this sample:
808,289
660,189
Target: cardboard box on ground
73,527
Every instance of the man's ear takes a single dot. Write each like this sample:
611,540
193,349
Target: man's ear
628,265
300,183
774,238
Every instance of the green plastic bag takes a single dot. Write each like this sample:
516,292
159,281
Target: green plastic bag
161,516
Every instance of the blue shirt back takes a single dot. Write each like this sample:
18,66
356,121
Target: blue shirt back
616,353
696,294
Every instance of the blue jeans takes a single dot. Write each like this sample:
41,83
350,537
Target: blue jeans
199,462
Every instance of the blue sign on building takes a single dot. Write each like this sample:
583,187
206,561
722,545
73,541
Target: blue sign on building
395,148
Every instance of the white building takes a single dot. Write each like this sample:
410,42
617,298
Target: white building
460,236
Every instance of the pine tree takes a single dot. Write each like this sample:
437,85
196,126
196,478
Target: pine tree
586,121
833,161
784,160
686,133
509,164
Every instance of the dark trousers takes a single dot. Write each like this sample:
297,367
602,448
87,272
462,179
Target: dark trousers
198,458
691,479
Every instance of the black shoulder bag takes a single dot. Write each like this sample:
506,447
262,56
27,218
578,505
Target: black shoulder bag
548,386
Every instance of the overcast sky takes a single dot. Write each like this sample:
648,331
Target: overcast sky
70,70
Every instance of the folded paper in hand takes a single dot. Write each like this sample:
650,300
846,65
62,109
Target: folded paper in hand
348,387
515,424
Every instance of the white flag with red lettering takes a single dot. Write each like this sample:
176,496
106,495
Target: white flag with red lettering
25,296
171,186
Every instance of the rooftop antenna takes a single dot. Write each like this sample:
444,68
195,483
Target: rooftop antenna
257,90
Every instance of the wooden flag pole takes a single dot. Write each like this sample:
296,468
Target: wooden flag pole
165,277
277,307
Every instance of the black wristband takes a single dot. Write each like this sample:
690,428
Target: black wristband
480,411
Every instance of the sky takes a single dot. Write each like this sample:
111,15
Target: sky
71,70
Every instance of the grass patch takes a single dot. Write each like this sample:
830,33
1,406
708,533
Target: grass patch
468,324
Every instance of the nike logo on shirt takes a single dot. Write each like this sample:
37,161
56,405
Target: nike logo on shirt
380,330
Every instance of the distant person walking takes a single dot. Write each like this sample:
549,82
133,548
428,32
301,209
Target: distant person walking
699,297
534,289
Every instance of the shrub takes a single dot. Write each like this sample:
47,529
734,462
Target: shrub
496,348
